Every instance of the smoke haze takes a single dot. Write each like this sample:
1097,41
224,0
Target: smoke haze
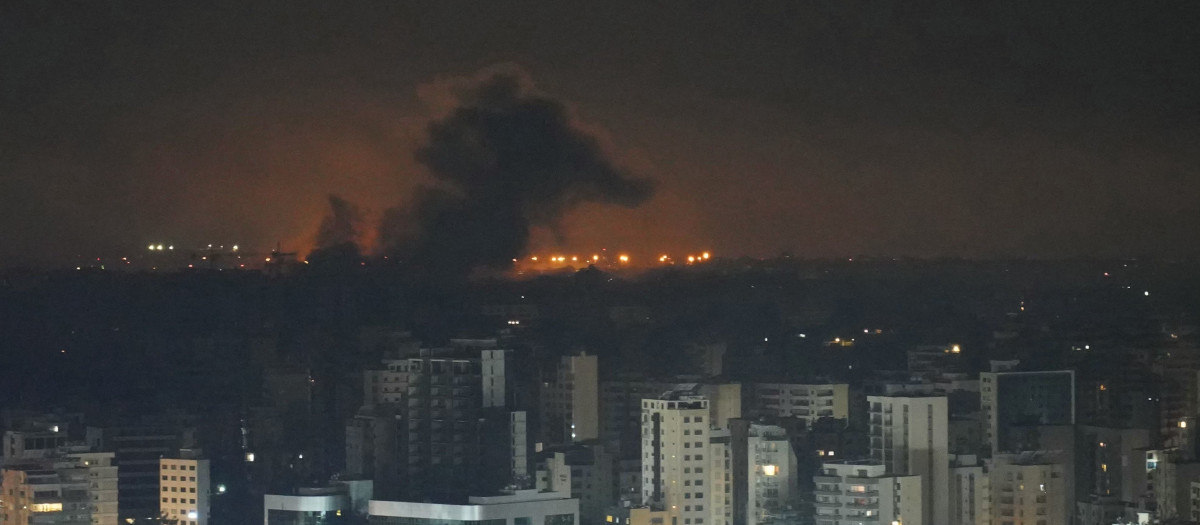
506,160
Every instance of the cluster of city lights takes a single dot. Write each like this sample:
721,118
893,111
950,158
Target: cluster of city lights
160,247
621,258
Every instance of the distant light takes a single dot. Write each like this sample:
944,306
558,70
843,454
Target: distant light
151,247
268,259
171,247
249,457
1147,292
706,255
691,258
534,258
159,247
770,470
955,349
595,257
192,514
300,456
1182,423
802,336
624,258
574,258
221,488
55,427
235,247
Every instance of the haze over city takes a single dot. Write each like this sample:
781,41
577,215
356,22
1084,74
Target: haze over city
820,129
806,262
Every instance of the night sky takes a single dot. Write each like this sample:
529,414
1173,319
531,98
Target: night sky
823,128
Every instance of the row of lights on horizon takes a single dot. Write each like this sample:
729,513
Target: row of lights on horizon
623,258
160,247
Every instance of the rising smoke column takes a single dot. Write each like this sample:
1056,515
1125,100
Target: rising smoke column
505,160
339,234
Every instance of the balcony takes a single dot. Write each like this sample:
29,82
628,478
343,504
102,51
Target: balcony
820,492
865,506
863,493
827,479
827,504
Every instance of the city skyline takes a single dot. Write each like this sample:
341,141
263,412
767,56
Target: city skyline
821,130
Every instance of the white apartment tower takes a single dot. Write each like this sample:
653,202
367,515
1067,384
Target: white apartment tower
720,499
970,492
772,474
807,402
675,457
184,490
1026,490
909,436
857,493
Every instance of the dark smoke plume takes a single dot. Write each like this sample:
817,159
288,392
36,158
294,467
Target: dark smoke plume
505,160
338,235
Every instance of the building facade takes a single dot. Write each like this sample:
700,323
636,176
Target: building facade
674,450
864,493
525,507
909,437
184,490
804,401
1024,398
75,488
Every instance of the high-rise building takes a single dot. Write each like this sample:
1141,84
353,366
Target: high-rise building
431,413
185,487
371,443
621,407
771,487
1011,398
809,402
859,493
674,449
1172,478
970,492
70,486
621,412
571,403
724,401
909,437
137,448
720,459
1109,462
1029,489
585,471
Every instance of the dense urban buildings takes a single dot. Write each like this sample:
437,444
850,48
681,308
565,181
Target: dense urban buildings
549,418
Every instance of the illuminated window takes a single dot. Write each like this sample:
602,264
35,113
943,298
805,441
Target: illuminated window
46,507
